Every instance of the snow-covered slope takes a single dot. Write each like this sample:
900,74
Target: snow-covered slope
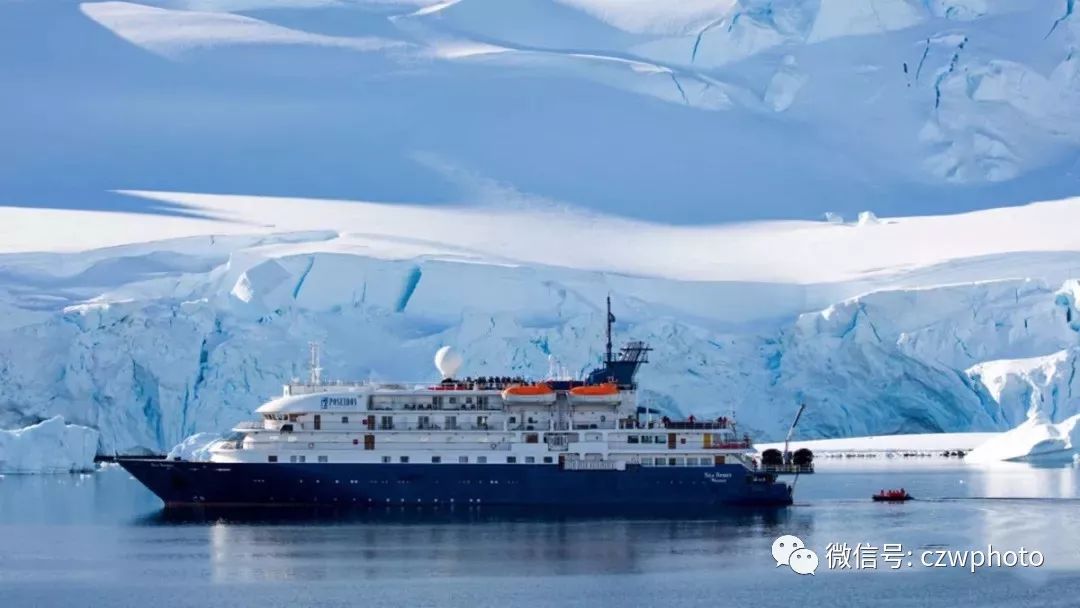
683,112
187,332
550,152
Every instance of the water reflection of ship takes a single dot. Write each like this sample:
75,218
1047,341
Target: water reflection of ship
380,544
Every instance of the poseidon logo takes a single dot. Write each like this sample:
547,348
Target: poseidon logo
328,402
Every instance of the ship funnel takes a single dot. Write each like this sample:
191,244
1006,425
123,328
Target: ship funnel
448,361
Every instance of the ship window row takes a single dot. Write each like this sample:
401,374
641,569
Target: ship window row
677,462
437,402
646,439
427,423
478,459
302,458
297,458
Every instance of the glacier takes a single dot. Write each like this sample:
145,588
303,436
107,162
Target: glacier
710,111
483,173
152,342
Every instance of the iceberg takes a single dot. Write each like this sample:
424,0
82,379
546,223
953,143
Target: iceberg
1032,441
50,446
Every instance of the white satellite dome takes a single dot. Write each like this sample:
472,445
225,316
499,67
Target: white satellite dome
448,361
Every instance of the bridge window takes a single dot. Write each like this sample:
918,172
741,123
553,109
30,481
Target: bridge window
271,458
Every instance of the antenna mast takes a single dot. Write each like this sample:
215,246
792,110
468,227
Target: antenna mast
610,320
315,377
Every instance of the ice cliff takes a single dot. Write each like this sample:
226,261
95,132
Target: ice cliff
151,342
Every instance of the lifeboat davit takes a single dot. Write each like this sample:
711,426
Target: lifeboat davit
606,393
528,393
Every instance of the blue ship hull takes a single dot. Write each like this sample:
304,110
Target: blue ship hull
182,483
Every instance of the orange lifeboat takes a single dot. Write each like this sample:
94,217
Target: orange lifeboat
608,392
528,393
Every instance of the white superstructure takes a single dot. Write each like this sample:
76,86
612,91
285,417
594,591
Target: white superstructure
572,424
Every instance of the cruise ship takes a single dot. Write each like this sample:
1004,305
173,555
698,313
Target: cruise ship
471,442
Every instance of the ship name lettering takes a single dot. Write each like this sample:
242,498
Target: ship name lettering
328,402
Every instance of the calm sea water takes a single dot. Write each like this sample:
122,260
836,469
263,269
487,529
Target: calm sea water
102,540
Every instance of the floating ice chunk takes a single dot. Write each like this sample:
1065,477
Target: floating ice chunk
50,446
833,217
1032,441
